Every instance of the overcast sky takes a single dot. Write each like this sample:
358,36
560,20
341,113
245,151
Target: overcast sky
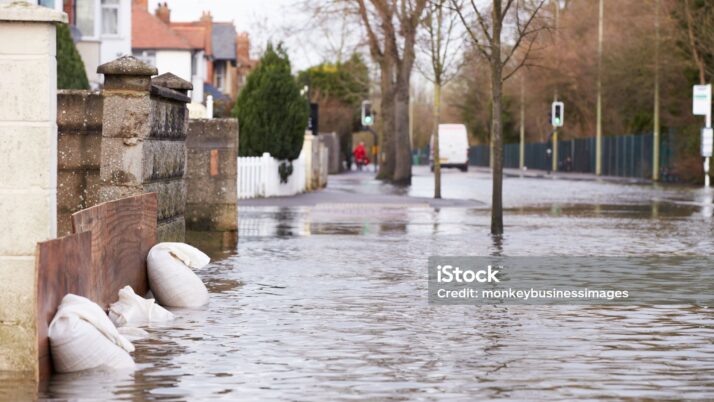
277,20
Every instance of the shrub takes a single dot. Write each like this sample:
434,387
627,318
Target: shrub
272,115
70,68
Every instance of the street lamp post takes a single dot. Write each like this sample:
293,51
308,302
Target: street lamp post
598,132
656,133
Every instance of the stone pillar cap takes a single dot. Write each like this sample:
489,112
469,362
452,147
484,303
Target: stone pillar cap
127,65
171,81
26,12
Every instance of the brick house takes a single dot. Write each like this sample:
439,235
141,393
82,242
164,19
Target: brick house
204,52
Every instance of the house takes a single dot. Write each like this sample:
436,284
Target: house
199,36
155,43
212,55
101,29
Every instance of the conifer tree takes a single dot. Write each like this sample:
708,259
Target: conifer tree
70,68
272,114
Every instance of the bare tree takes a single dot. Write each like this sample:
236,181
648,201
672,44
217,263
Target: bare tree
442,44
379,49
486,34
700,35
391,27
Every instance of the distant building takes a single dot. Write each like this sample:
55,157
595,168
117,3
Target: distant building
101,29
212,55
154,42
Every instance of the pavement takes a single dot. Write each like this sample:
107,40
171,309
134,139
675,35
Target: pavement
360,188
472,190
513,172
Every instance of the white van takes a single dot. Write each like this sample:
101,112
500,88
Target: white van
453,147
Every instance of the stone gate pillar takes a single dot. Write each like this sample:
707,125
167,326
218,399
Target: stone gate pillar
211,178
28,170
144,128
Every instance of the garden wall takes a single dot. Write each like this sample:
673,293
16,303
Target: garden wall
211,178
127,140
79,126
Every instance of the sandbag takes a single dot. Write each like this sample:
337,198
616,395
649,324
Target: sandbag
171,279
83,337
132,309
133,333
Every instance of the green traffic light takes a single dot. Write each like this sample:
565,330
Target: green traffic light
557,120
368,119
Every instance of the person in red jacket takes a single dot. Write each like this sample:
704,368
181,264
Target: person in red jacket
360,155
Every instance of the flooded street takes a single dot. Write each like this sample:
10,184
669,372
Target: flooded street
328,301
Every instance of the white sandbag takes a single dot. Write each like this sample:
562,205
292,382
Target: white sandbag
188,254
133,309
171,279
133,333
83,337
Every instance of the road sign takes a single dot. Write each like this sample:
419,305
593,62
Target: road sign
557,114
707,142
702,100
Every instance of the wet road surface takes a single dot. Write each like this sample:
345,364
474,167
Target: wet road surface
327,301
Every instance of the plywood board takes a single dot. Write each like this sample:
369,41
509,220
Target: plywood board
123,232
62,266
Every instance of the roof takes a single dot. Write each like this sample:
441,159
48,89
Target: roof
209,89
198,34
194,35
224,41
149,32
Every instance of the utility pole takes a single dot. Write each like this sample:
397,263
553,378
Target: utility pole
554,166
656,134
598,132
522,146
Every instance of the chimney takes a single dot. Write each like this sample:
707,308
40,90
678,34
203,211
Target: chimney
243,46
163,13
141,4
206,17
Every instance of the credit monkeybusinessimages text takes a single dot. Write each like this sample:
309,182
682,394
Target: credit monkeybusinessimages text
527,294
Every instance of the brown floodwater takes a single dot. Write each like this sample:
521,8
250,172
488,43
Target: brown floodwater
325,302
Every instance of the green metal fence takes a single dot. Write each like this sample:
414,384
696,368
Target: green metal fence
622,155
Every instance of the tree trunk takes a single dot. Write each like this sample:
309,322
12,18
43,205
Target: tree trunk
496,124
435,151
403,149
387,164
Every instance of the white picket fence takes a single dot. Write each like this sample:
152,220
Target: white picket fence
258,176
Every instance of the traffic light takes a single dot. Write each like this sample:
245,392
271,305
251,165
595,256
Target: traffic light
367,115
557,114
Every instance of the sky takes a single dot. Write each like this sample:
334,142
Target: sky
277,20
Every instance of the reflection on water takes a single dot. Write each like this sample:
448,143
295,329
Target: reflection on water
330,303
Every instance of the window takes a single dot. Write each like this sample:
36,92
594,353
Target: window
47,3
194,64
110,17
147,56
220,76
85,17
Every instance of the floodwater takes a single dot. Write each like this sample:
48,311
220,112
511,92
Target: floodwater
324,302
